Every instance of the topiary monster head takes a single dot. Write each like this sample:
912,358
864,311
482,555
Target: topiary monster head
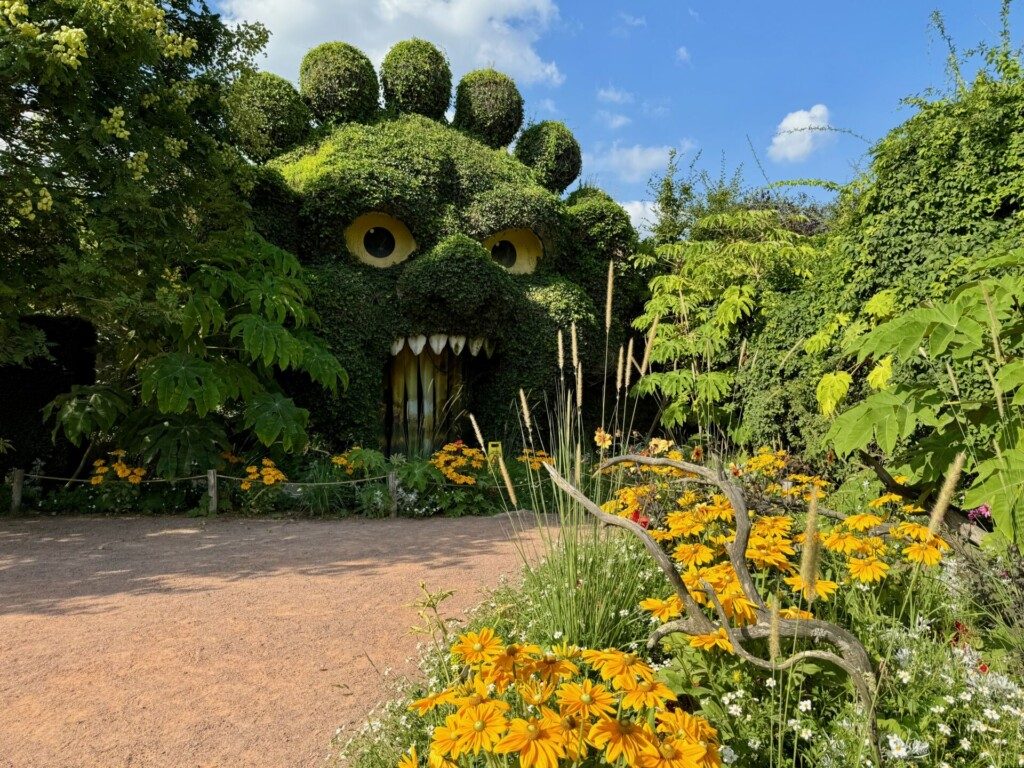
441,264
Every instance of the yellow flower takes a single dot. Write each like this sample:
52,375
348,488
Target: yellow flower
99,462
476,648
444,741
663,610
659,445
795,614
119,453
693,554
867,569
552,668
585,699
884,499
431,701
537,692
618,667
862,522
409,759
678,722
712,640
478,728
673,752
822,587
910,530
923,553
96,479
134,479
646,694
246,485
618,738
684,524
841,541
602,439
538,741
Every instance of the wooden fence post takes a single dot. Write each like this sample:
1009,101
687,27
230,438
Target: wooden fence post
17,486
393,492
211,489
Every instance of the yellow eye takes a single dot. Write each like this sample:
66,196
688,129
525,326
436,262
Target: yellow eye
517,250
379,240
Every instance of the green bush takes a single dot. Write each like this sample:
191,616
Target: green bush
266,115
553,152
489,107
416,78
339,83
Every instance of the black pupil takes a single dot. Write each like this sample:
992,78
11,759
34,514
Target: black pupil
379,242
504,253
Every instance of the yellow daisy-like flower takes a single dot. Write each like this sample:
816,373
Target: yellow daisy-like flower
663,610
479,728
822,587
923,553
844,542
694,554
602,439
96,479
551,667
684,524
618,667
646,694
909,530
659,445
431,701
678,722
585,700
673,752
618,738
867,569
864,521
795,614
445,742
885,498
709,642
538,740
475,648
409,759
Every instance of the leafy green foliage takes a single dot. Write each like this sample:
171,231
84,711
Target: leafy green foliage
416,78
339,83
266,115
488,105
121,204
979,330
553,152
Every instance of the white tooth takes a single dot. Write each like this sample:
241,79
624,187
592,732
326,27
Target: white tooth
457,343
437,342
489,347
475,345
416,343
396,346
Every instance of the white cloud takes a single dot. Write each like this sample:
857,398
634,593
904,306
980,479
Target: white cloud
613,95
474,33
613,120
799,134
633,21
682,54
548,105
631,164
641,213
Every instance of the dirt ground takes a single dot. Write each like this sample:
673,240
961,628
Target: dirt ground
156,642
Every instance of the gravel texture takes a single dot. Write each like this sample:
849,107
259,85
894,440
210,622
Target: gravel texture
157,642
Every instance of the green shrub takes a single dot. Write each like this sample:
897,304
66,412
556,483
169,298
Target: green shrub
266,115
489,107
553,152
339,83
416,78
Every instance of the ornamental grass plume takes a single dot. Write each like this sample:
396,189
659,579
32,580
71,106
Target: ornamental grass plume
812,549
477,432
618,371
508,481
647,347
774,643
526,412
942,503
630,362
561,351
579,387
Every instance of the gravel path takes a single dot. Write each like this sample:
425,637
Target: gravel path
151,642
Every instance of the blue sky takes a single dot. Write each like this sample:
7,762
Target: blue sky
633,79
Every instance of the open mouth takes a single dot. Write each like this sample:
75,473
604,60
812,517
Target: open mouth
425,383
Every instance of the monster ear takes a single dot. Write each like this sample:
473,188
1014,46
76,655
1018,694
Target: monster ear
489,107
265,115
339,84
416,78
553,153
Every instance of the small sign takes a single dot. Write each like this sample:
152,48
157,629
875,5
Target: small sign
493,452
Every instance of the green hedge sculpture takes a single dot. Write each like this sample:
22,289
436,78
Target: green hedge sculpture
442,266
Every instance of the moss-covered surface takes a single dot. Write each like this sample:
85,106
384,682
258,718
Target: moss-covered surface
452,191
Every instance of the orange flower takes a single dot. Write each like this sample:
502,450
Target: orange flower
712,640
618,738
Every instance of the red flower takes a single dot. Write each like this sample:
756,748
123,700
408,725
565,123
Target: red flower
642,520
983,668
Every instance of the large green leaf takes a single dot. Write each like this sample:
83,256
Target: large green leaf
1000,484
177,380
182,445
267,341
884,417
87,410
832,389
274,417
